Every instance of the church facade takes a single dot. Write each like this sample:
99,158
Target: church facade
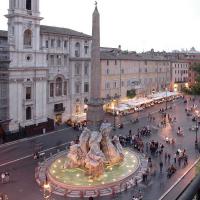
49,70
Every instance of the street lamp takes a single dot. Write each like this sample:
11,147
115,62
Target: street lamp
196,129
114,120
166,88
115,100
166,99
46,190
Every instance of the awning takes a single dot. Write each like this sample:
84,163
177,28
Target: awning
79,117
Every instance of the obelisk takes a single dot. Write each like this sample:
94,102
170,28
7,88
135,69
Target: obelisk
95,112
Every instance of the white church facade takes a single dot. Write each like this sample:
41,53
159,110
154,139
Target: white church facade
49,70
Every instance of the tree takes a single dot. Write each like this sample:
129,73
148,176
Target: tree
196,87
131,93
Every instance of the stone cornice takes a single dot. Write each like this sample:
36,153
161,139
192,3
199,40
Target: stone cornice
11,15
21,80
28,69
79,59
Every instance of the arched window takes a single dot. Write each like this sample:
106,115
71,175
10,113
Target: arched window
77,49
28,4
27,38
28,113
59,86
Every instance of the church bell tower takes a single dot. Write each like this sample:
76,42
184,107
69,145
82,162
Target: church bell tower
24,24
27,70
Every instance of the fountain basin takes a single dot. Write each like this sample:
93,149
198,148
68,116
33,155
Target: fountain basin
75,183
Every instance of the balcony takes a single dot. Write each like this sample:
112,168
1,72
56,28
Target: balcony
29,12
27,102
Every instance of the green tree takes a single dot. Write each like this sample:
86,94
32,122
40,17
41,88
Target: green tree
131,93
195,88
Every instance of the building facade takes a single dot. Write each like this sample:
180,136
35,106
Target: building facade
48,71
123,72
179,75
4,64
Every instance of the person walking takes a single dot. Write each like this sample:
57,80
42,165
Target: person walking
166,157
7,177
161,166
185,160
3,176
169,157
175,158
179,161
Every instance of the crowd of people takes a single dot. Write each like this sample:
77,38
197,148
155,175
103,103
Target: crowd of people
135,140
160,158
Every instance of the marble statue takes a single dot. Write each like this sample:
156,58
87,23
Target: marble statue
112,154
95,158
75,157
94,151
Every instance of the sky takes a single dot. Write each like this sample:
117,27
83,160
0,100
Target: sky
136,25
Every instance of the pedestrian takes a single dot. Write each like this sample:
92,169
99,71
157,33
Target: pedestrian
7,177
147,147
174,158
159,153
179,161
136,182
144,177
149,159
34,156
161,166
166,157
185,160
3,176
162,147
169,157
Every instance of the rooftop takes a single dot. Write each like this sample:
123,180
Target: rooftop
114,53
53,30
62,31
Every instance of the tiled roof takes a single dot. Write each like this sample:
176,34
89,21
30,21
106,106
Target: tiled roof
62,31
3,33
53,30
124,55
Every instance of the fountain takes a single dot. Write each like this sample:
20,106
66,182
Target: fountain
96,166
95,151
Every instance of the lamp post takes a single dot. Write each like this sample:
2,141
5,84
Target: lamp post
46,191
196,129
120,69
114,120
166,89
166,98
116,98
